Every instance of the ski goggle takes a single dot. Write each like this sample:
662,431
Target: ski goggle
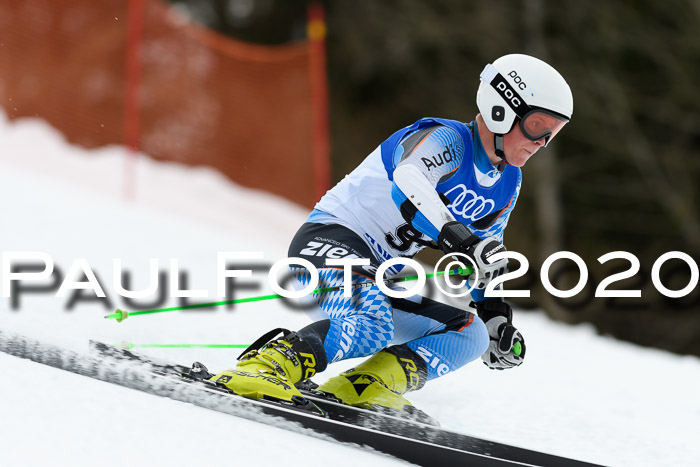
535,123
541,123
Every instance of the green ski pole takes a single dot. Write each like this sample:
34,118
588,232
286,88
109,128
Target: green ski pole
120,315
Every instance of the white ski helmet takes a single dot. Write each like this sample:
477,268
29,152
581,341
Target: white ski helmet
522,87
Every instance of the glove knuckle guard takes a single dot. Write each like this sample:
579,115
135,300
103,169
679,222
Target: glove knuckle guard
505,343
455,237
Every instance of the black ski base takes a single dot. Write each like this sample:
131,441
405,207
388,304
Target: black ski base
412,437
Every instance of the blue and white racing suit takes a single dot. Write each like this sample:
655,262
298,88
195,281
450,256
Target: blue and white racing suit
361,216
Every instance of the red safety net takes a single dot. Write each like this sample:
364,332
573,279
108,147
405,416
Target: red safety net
197,97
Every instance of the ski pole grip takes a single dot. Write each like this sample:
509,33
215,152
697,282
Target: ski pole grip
517,348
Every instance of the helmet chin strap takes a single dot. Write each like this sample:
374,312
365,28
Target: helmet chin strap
498,146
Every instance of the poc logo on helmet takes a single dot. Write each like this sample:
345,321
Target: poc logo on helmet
508,94
518,80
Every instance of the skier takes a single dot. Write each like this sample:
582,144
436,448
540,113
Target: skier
436,182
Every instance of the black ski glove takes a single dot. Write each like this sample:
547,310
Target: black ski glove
505,339
455,237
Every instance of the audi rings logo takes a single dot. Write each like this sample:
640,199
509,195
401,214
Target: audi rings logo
469,205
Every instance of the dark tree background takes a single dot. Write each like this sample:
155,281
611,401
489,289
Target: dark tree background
623,175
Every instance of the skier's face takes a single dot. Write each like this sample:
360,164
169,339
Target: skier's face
519,148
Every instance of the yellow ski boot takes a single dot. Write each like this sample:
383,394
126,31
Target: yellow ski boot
270,371
380,381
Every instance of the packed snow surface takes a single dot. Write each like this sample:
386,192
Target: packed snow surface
578,394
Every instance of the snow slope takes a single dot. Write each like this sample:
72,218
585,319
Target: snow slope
578,394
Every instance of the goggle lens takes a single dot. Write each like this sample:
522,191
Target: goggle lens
539,123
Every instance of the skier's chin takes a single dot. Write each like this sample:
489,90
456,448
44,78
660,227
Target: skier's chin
521,158
517,162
